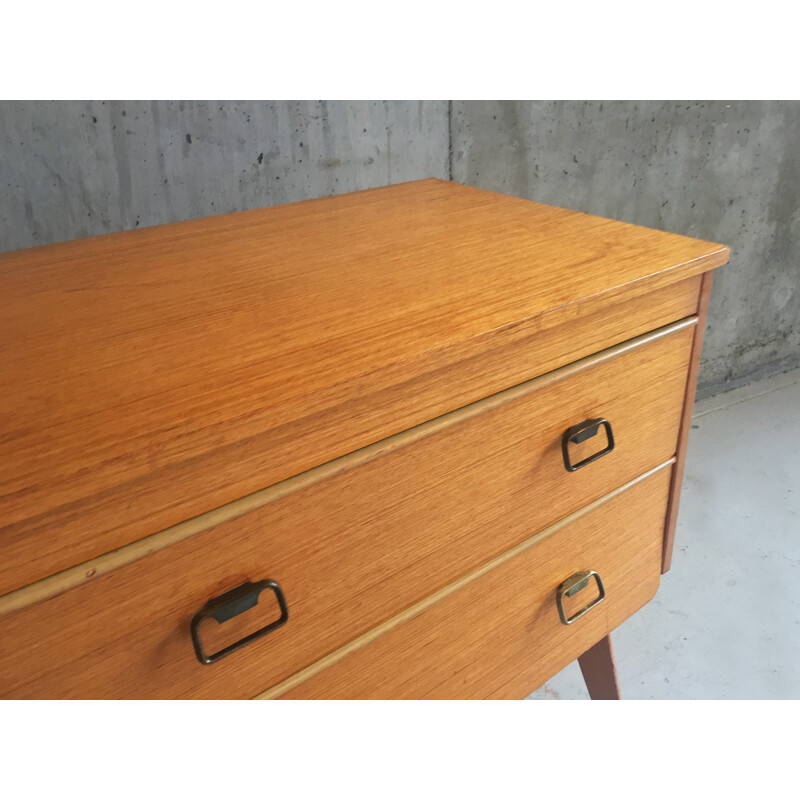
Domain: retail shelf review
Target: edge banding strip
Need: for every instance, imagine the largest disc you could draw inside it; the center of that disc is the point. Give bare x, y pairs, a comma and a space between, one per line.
101, 565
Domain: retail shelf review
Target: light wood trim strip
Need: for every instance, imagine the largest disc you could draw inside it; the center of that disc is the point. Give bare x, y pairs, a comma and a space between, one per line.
102, 565
423, 605
686, 423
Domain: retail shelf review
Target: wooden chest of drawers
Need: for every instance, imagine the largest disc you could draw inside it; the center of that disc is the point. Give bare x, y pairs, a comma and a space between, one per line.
331, 447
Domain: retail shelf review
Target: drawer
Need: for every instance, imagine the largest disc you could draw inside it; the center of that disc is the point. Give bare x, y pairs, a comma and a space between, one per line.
352, 543
501, 637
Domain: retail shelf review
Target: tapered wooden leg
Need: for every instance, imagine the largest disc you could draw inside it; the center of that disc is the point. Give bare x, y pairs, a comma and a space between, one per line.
600, 671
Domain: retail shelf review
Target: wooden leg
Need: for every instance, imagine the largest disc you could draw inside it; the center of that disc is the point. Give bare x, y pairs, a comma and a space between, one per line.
600, 671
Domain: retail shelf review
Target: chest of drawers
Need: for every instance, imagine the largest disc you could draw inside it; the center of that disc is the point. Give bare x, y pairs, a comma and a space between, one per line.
414, 442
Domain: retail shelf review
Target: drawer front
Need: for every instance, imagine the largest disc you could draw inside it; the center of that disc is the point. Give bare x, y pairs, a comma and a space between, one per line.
355, 548
501, 636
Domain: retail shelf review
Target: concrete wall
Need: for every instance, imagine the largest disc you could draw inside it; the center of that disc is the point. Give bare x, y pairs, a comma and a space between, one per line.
74, 169
725, 171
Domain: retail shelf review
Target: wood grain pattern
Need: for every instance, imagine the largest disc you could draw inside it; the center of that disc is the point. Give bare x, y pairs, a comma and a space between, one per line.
686, 423
352, 550
183, 489
153, 375
500, 637
354, 645
108, 562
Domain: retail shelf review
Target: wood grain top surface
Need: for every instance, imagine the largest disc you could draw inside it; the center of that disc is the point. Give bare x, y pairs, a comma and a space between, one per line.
126, 354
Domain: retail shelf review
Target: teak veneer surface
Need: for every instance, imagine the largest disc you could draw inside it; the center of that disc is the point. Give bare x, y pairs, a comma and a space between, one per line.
500, 637
356, 548
152, 375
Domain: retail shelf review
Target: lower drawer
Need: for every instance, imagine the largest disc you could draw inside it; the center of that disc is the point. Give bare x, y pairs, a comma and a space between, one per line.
501, 636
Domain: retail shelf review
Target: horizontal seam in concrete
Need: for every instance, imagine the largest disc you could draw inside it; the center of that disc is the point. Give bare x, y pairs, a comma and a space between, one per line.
755, 390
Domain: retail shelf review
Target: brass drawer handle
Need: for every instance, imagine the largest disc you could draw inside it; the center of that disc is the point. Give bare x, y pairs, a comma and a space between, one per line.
571, 586
231, 604
580, 433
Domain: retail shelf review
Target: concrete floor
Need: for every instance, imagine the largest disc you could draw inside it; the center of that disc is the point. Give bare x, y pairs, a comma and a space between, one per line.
725, 623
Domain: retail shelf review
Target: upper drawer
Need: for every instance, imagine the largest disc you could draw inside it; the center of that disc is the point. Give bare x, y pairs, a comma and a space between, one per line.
354, 542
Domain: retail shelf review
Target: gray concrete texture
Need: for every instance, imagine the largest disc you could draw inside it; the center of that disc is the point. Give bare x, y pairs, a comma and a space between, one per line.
725, 171
75, 169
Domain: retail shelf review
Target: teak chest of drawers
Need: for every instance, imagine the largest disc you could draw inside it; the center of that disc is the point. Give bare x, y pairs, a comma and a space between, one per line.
423, 441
